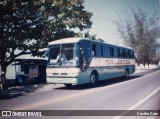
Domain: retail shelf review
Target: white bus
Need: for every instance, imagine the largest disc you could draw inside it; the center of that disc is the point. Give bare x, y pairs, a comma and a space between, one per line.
81, 60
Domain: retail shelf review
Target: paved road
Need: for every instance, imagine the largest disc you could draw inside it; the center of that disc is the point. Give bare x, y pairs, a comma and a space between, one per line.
140, 92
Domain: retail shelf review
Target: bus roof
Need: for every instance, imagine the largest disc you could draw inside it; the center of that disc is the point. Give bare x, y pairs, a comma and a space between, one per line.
74, 40
65, 41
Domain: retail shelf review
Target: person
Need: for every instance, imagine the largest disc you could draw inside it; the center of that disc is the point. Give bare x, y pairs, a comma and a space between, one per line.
61, 56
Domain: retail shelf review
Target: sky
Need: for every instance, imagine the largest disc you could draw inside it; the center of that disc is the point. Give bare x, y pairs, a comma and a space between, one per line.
105, 12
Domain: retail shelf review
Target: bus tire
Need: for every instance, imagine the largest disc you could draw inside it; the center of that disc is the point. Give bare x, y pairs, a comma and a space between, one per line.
127, 73
93, 79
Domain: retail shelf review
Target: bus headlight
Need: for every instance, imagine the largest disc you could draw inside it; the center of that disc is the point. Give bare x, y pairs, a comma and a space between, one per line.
74, 74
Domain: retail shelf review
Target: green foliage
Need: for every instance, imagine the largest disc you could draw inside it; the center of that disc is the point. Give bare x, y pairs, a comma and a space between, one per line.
28, 25
89, 36
66, 14
140, 32
156, 59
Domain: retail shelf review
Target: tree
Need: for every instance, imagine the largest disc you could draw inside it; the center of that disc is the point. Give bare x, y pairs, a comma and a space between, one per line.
89, 36
69, 14
140, 32
28, 25
156, 59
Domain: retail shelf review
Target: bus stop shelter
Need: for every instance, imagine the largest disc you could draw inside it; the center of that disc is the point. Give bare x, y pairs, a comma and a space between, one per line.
27, 72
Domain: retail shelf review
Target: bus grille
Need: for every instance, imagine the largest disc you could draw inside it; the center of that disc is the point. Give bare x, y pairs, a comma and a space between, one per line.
56, 74
64, 74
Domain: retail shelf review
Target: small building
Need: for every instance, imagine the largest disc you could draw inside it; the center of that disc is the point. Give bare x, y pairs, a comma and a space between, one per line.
27, 72
31, 71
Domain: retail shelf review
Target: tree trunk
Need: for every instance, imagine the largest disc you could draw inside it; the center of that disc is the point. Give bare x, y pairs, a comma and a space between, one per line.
144, 66
148, 65
3, 76
3, 69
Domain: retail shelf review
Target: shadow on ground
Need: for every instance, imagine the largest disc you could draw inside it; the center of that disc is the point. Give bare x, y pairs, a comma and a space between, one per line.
14, 92
109, 81
100, 83
17, 91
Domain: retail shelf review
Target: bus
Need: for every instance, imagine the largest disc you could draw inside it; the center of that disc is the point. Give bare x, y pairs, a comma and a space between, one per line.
80, 61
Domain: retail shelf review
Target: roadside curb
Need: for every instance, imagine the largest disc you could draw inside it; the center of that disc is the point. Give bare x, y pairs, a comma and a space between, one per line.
145, 70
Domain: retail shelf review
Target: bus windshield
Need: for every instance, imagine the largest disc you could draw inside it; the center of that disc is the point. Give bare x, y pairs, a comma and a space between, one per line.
63, 55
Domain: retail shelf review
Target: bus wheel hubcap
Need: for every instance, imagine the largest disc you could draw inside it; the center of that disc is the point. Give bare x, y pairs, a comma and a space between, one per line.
93, 79
127, 74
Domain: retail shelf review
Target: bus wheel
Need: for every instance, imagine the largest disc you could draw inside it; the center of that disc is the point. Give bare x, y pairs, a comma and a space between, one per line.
126, 74
68, 85
93, 79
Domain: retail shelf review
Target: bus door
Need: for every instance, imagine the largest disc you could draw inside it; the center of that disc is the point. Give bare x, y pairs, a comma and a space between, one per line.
85, 54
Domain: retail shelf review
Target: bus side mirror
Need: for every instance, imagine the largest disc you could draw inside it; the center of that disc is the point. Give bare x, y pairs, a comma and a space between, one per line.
62, 59
82, 51
83, 63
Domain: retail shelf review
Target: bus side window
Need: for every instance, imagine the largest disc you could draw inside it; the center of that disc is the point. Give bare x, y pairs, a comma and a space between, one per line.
102, 53
118, 52
98, 50
132, 54
106, 51
129, 54
94, 53
121, 52
86, 46
124, 55
111, 50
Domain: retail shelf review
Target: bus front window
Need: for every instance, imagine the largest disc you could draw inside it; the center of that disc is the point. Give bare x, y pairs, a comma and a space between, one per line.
62, 55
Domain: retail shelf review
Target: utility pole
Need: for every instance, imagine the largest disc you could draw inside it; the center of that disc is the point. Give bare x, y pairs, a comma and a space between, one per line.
83, 33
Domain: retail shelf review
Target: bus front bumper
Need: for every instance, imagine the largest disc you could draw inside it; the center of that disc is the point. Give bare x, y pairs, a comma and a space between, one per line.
62, 80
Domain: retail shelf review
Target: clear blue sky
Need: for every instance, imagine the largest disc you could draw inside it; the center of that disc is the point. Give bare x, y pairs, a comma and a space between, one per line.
106, 11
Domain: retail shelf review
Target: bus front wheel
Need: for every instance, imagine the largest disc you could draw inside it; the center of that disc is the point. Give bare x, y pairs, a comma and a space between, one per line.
126, 74
93, 79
